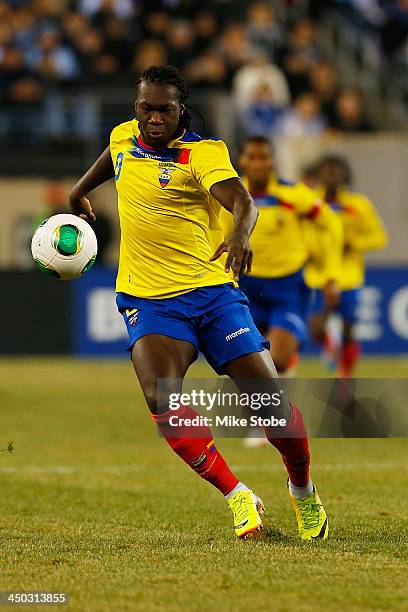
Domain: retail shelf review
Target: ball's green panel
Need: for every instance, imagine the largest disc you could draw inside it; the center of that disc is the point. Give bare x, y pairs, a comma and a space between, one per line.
67, 239
48, 271
89, 264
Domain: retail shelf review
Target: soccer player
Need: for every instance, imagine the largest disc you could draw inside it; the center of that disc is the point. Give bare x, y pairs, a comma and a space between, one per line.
363, 231
275, 286
176, 284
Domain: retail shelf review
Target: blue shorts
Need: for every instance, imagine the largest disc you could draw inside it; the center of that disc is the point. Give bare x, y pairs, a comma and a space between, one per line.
347, 307
215, 320
278, 302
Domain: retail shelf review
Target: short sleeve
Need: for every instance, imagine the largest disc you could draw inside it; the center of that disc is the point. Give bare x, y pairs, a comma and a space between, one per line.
210, 163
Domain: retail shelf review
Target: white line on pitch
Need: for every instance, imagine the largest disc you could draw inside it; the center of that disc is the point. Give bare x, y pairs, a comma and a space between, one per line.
117, 469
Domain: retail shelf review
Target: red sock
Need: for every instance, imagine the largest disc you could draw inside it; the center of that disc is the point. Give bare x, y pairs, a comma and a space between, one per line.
350, 352
294, 448
200, 453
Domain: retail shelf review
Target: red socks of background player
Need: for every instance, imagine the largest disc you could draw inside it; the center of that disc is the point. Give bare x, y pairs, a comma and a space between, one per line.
350, 352
200, 453
294, 448
203, 457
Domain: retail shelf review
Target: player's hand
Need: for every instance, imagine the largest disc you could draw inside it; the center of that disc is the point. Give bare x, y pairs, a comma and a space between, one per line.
331, 294
81, 206
239, 257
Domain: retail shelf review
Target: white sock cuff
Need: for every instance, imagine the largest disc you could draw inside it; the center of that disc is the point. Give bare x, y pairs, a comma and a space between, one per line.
300, 492
239, 487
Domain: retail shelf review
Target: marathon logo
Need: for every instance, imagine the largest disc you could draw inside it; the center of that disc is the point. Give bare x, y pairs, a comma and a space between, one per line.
242, 330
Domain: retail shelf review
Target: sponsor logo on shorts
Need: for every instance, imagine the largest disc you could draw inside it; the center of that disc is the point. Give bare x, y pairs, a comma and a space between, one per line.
238, 332
132, 316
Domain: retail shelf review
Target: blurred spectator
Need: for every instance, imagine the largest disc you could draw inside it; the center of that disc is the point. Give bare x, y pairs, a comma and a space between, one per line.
304, 119
300, 56
121, 8
207, 71
157, 25
323, 79
235, 48
53, 60
119, 43
394, 33
180, 42
260, 70
349, 114
22, 99
262, 115
263, 30
149, 53
206, 29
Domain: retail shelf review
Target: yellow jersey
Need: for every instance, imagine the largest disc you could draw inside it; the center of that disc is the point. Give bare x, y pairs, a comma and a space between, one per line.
362, 231
277, 241
169, 221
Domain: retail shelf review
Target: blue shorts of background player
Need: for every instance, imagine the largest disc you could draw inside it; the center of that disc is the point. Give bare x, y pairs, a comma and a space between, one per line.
215, 320
278, 302
347, 306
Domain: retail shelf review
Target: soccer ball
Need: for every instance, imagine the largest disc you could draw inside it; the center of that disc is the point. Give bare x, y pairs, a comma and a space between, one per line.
64, 246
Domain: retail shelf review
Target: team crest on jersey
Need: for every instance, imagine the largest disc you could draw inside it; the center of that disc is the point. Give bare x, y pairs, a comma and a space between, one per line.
165, 172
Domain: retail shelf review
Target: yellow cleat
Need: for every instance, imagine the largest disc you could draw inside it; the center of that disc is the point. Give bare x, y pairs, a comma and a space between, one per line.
311, 517
247, 509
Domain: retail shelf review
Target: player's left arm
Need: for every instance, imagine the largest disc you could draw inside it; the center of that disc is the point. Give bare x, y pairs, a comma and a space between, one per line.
100, 172
233, 196
370, 233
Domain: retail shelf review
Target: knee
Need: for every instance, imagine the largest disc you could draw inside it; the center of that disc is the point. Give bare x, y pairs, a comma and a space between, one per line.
157, 395
282, 362
348, 335
151, 396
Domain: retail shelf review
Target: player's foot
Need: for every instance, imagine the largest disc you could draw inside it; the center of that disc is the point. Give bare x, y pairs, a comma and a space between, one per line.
311, 516
256, 438
247, 509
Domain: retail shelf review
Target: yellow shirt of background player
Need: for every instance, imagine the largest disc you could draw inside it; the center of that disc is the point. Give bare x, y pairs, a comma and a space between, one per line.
277, 240
169, 221
362, 231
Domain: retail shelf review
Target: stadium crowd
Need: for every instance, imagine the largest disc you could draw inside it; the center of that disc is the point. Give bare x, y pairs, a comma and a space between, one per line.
55, 55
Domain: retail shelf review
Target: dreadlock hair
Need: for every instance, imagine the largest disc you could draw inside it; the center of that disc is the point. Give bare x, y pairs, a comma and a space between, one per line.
339, 161
169, 75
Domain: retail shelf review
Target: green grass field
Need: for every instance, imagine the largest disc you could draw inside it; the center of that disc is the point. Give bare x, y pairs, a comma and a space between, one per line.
94, 503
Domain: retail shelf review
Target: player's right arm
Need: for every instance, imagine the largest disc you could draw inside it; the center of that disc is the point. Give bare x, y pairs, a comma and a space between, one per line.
100, 172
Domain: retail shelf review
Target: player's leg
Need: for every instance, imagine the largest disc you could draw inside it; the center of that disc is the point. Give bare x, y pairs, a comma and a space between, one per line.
319, 329
155, 357
291, 442
160, 358
284, 349
243, 356
287, 327
350, 349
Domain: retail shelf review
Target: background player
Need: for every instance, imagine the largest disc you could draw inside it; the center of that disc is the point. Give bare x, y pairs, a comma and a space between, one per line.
275, 287
363, 231
175, 287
